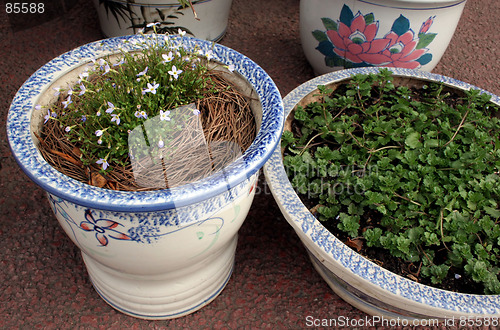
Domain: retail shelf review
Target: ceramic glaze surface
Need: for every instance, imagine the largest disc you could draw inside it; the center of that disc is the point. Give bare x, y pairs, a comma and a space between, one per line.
122, 17
377, 290
358, 33
157, 254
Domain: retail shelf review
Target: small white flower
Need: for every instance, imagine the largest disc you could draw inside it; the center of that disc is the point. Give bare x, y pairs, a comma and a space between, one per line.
67, 129
151, 88
115, 118
83, 89
181, 32
38, 107
47, 116
142, 73
164, 115
122, 60
209, 55
103, 65
161, 144
196, 112
174, 72
167, 57
58, 91
98, 132
152, 24
111, 107
231, 67
83, 75
141, 114
67, 102
103, 162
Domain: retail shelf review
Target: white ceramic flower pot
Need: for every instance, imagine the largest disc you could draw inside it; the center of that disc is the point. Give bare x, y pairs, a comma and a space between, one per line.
412, 34
158, 254
124, 17
354, 278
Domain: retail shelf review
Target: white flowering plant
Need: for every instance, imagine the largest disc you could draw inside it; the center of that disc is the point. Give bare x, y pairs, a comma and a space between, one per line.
114, 96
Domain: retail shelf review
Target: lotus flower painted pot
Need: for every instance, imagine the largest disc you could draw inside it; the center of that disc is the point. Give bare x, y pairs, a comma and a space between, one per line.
151, 254
357, 280
409, 34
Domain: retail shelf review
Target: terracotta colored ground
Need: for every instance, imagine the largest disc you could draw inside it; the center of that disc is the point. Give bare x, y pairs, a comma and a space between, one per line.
43, 282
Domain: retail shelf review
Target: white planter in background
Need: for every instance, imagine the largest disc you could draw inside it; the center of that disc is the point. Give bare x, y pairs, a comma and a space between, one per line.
412, 34
124, 17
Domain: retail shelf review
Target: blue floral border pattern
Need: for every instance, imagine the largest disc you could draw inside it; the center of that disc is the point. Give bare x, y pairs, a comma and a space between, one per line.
148, 227
310, 229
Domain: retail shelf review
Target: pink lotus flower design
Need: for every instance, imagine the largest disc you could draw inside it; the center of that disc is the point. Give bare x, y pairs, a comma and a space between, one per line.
357, 42
351, 42
402, 51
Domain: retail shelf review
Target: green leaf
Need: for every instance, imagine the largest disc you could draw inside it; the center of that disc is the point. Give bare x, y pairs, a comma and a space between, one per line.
288, 137
413, 140
319, 35
327, 154
492, 211
329, 23
349, 224
369, 18
372, 236
425, 39
401, 25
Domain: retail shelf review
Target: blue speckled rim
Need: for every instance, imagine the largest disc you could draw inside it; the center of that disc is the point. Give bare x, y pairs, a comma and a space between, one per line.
31, 162
316, 234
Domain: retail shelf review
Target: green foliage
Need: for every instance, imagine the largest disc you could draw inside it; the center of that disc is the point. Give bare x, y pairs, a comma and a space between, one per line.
424, 164
117, 95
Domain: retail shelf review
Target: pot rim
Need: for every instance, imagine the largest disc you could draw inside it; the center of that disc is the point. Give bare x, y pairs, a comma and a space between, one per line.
329, 247
37, 169
434, 4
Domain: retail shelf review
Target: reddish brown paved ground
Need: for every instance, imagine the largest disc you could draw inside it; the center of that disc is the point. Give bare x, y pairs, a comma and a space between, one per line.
43, 282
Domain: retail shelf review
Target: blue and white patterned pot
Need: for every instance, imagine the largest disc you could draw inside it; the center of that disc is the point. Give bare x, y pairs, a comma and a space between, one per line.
156, 254
357, 280
411, 34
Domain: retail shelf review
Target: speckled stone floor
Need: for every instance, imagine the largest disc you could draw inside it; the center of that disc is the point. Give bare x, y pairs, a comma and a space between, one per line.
43, 282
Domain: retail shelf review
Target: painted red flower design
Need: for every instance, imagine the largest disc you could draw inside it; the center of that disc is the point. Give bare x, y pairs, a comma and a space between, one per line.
351, 41
357, 42
402, 52
103, 228
426, 25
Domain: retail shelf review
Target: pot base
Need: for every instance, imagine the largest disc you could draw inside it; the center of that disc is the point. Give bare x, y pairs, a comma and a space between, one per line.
164, 296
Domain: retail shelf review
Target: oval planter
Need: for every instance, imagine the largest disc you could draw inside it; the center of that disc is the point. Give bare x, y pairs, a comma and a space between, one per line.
124, 17
411, 34
157, 254
354, 278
